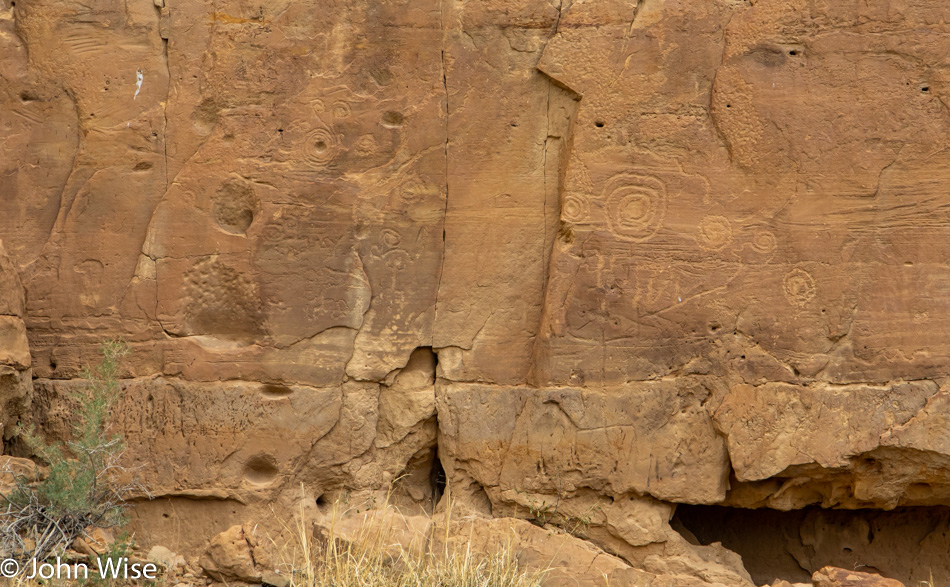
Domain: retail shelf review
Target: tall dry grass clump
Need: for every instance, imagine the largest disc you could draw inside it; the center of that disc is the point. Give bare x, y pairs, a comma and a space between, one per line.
375, 557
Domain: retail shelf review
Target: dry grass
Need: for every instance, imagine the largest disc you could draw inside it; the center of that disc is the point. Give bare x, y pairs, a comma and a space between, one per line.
375, 557
380, 551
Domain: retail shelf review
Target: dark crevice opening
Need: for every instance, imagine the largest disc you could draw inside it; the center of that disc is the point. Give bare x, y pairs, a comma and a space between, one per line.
906, 544
437, 479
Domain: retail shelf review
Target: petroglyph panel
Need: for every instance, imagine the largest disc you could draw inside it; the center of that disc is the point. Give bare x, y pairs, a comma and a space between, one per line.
575, 205
567, 440
233, 424
754, 195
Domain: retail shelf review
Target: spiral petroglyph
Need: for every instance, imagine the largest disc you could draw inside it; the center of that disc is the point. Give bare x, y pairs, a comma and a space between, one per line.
799, 287
715, 232
636, 206
575, 208
320, 147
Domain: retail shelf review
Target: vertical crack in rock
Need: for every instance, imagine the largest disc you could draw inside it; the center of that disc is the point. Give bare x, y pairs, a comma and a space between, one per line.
163, 35
19, 34
72, 168
445, 210
550, 240
714, 121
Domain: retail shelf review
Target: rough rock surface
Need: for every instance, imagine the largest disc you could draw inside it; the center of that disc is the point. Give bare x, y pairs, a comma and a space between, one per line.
16, 385
832, 577
589, 252
230, 557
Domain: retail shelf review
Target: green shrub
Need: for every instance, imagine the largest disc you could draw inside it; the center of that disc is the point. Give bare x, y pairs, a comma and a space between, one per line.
79, 489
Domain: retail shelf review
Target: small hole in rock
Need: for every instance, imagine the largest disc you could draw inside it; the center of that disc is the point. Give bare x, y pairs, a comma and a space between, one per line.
275, 390
793, 52
728, 105
599, 124
260, 469
925, 89
280, 130
320, 146
321, 501
142, 166
392, 119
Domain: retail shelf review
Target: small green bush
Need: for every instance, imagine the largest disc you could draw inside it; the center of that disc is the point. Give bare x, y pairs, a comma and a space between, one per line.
42, 518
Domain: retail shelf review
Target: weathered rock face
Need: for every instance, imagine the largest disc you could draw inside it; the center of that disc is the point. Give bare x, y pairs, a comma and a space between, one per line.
16, 385
593, 252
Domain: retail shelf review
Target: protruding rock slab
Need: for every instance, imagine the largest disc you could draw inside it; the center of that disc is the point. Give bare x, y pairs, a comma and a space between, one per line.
835, 577
651, 438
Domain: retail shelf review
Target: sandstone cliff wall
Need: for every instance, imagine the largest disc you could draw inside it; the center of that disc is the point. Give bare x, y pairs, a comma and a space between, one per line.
620, 254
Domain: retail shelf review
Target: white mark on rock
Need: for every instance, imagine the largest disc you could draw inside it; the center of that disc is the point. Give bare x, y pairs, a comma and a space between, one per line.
681, 299
138, 83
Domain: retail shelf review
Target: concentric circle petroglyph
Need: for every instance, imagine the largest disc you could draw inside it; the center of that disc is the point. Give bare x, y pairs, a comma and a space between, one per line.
320, 147
340, 110
575, 208
636, 205
799, 287
764, 242
715, 232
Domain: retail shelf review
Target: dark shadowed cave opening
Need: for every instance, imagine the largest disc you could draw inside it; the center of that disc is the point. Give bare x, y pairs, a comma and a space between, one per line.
908, 544
437, 479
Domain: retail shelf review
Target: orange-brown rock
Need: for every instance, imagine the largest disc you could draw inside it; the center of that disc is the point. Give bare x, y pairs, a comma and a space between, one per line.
229, 556
16, 389
835, 577
609, 254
